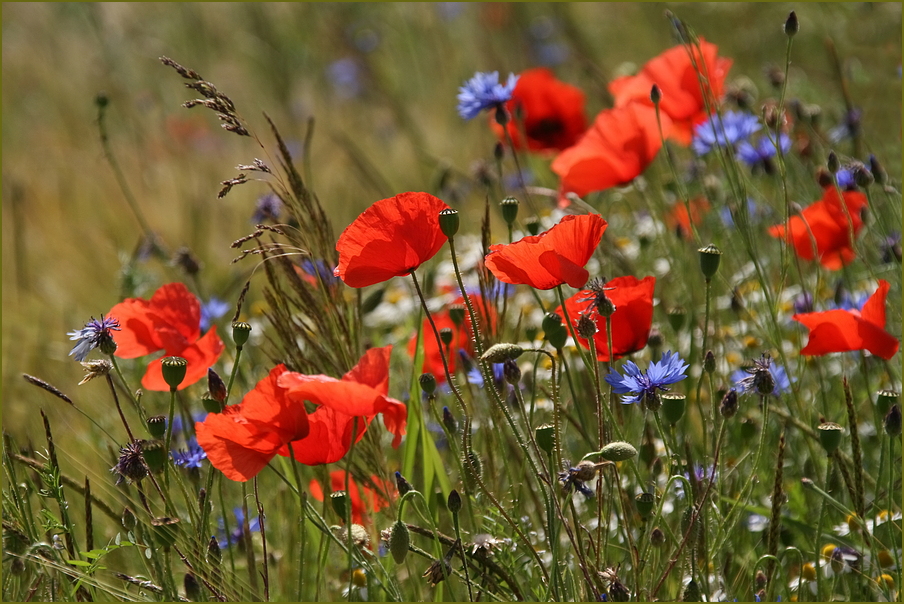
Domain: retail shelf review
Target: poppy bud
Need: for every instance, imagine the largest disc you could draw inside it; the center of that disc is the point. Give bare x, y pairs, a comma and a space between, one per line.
655, 340
449, 421
673, 404
709, 362
729, 404
457, 314
174, 369
154, 455
449, 222
216, 387
428, 383
192, 588
128, 519
214, 555
454, 502
339, 501
240, 332
157, 426
509, 207
791, 25
498, 152
862, 177
545, 436
101, 100
511, 372
402, 485
554, 330
832, 163
677, 316
710, 257
885, 399
657, 537
165, 530
879, 174
618, 451
691, 592
823, 177
655, 94
498, 353
892, 421
502, 116
760, 580
645, 503
399, 540
533, 225
211, 406
830, 436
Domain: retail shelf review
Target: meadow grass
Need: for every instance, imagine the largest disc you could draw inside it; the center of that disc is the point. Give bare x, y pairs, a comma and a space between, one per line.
350, 103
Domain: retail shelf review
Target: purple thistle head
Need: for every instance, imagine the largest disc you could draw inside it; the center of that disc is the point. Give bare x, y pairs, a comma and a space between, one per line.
95, 334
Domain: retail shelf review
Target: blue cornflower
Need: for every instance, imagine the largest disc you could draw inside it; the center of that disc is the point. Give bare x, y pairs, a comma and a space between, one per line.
268, 207
764, 150
849, 126
320, 269
762, 377
639, 386
236, 534
177, 421
845, 178
731, 128
484, 91
95, 334
345, 75
754, 213
192, 457
212, 310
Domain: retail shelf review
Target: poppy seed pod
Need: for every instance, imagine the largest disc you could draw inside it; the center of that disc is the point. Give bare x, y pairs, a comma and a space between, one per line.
449, 222
446, 335
339, 501
499, 353
399, 540
710, 257
645, 503
174, 369
533, 225
457, 314
240, 332
673, 405
509, 207
618, 451
677, 317
885, 399
545, 436
165, 530
830, 436
428, 383
211, 406
157, 426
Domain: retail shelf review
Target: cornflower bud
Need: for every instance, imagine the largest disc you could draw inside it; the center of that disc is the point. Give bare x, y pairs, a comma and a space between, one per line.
657, 537
792, 26
655, 339
192, 588
511, 372
454, 502
879, 173
586, 327
449, 421
428, 383
402, 485
709, 362
128, 519
216, 387
655, 94
729, 404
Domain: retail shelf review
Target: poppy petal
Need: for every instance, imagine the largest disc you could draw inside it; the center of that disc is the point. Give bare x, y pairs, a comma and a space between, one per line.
329, 437
137, 336
200, 356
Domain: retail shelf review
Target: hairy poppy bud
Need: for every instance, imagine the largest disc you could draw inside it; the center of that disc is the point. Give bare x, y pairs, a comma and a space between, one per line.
511, 372
240, 333
399, 540
729, 405
709, 362
498, 353
174, 369
879, 173
509, 207
449, 222
832, 162
554, 330
710, 257
618, 451
830, 436
657, 537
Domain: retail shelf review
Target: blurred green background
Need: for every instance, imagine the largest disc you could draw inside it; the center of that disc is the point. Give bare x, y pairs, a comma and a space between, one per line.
379, 79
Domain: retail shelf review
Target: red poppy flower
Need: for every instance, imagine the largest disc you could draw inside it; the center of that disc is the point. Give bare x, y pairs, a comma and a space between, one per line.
679, 220
674, 73
631, 321
364, 500
846, 330
553, 112
616, 149
243, 439
552, 258
461, 337
826, 223
390, 239
169, 321
341, 405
